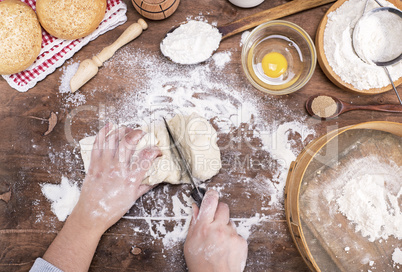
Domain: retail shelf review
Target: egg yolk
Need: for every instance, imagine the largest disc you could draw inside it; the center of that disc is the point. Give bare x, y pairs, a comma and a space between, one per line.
274, 64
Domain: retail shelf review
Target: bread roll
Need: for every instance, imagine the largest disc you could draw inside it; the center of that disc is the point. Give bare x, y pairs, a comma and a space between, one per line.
20, 36
70, 19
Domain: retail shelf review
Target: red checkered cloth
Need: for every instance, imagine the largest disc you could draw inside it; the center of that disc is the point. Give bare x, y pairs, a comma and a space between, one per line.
56, 51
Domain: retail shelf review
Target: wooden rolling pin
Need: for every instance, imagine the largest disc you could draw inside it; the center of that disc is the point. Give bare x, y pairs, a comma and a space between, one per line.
89, 67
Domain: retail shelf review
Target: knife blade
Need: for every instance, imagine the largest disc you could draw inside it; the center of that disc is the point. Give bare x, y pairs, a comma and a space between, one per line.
197, 193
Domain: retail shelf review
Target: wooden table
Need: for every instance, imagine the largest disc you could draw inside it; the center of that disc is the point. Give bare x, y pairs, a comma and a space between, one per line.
27, 225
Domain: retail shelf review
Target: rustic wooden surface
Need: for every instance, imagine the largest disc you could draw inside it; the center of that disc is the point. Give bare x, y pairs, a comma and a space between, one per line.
25, 161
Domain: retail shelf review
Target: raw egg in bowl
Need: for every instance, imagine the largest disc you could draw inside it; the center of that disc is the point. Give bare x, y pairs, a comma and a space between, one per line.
278, 57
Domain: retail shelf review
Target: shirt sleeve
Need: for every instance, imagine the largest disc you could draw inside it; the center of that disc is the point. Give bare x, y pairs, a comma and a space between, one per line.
41, 265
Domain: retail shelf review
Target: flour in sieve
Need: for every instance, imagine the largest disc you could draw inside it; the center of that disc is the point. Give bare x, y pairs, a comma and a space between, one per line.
339, 51
377, 37
369, 198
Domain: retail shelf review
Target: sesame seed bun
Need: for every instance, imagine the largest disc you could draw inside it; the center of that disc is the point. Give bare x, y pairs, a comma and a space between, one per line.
20, 36
70, 19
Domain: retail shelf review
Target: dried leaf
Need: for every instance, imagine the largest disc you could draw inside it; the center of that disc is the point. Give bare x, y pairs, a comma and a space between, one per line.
52, 123
6, 196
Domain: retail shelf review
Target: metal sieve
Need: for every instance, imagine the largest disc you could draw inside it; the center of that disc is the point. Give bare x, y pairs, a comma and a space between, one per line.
382, 63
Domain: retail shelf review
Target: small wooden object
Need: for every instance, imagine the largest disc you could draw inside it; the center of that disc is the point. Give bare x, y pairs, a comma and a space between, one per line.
156, 9
89, 67
322, 59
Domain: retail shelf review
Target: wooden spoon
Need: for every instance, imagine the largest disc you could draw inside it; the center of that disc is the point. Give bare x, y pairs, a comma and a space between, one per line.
254, 20
343, 106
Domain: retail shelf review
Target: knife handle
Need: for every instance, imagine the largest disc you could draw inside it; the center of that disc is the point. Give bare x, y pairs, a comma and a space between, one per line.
198, 196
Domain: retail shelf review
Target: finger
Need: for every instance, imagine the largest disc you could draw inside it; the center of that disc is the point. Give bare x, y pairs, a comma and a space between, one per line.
196, 210
194, 219
100, 140
143, 163
208, 206
112, 141
222, 214
130, 142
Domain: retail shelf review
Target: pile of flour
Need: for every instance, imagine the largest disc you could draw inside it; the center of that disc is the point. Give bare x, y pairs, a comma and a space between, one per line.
370, 195
192, 42
339, 50
63, 197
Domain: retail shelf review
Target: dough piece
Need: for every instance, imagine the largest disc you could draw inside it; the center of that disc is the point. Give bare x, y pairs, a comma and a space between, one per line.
198, 141
70, 19
20, 36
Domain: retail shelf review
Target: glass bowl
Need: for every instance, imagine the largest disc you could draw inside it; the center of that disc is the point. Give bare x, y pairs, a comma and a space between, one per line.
282, 73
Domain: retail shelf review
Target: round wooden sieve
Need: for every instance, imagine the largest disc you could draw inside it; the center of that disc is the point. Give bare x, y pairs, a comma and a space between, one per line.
329, 242
323, 62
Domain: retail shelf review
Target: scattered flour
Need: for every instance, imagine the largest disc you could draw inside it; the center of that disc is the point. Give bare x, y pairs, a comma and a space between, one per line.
191, 43
276, 142
397, 256
68, 72
63, 197
77, 98
244, 37
221, 59
339, 51
249, 136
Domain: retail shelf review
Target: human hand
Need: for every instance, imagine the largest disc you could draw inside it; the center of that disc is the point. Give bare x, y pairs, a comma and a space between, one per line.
110, 188
113, 184
212, 242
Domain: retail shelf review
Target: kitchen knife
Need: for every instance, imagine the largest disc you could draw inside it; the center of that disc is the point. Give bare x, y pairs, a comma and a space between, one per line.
197, 193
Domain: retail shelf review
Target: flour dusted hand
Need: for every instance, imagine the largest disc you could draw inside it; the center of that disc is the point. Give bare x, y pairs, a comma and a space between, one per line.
113, 183
111, 187
212, 242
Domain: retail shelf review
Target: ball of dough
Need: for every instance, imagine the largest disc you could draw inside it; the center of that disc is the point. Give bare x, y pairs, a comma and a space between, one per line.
70, 19
20, 36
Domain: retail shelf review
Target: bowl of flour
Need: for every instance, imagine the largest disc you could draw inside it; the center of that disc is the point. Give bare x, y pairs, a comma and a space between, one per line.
337, 57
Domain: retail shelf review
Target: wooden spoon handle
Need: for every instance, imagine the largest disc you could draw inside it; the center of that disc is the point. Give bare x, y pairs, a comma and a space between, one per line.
280, 11
385, 108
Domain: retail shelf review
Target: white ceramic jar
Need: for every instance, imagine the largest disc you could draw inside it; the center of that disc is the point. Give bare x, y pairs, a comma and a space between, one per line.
246, 3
